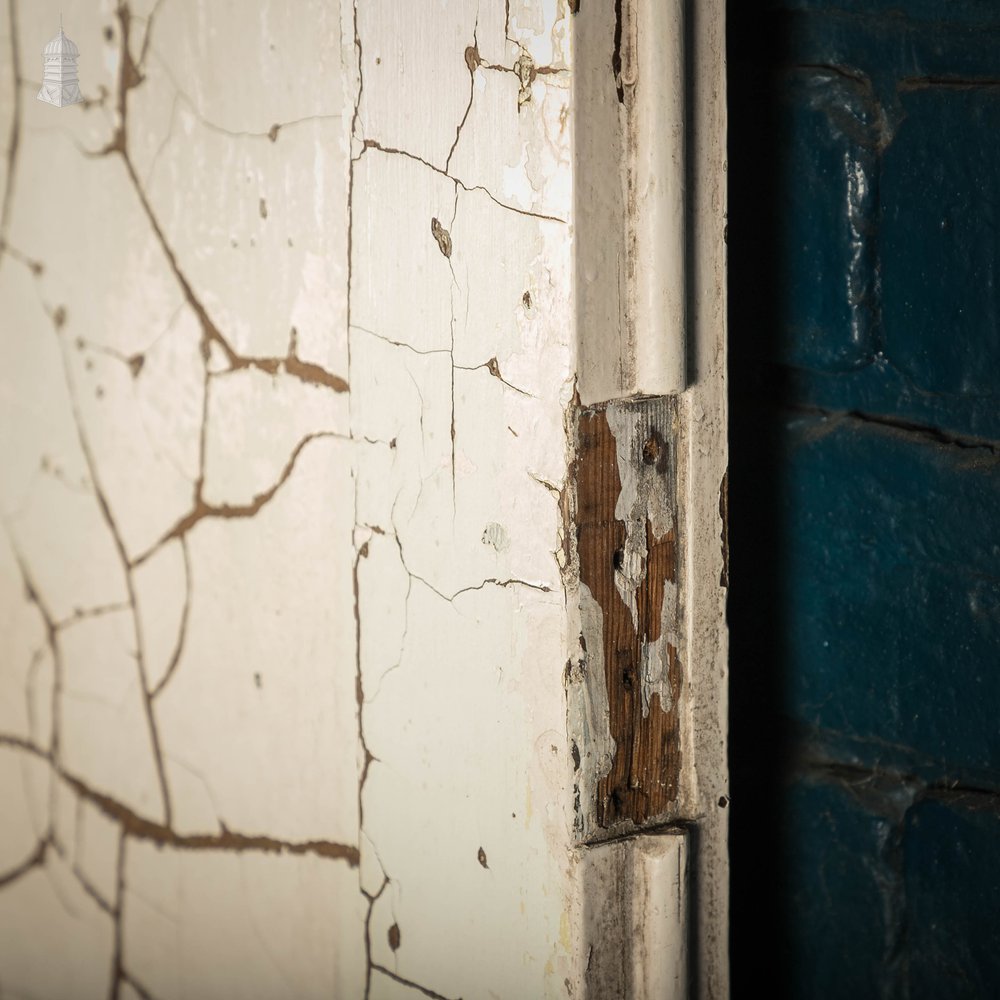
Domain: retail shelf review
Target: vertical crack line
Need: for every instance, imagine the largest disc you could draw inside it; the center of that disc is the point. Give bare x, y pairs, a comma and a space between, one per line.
361, 75
616, 55
454, 289
14, 141
210, 333
29, 694
34, 596
350, 183
359, 684
206, 383
472, 61
182, 629
128, 78
117, 960
171, 124
127, 570
88, 886
370, 965
360, 551
151, 17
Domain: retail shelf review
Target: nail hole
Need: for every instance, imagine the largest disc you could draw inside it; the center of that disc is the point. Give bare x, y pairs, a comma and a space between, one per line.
651, 450
618, 559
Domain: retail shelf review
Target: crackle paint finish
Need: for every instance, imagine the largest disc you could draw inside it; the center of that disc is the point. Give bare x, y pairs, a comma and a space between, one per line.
286, 351
288, 364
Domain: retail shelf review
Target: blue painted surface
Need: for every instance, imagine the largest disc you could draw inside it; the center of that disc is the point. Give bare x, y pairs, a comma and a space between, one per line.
832, 133
978, 13
893, 598
838, 863
952, 873
865, 496
939, 243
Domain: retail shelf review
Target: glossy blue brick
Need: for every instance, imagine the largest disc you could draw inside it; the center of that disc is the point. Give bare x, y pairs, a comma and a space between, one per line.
897, 86
839, 893
952, 879
939, 244
891, 48
890, 549
978, 13
880, 389
829, 137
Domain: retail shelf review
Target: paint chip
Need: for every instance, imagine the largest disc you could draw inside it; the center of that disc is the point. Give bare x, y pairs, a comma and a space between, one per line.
495, 535
482, 858
442, 236
524, 69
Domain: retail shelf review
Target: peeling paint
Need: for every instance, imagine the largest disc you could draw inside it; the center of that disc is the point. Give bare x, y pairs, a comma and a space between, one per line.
594, 747
442, 237
287, 482
627, 551
495, 535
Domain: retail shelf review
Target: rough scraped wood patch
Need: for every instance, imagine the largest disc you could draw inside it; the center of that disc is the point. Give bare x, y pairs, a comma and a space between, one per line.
625, 691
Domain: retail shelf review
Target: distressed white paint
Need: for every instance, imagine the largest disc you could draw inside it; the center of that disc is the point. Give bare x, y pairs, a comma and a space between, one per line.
703, 420
645, 498
46, 908
653, 669
637, 923
608, 366
656, 30
631, 199
282, 705
587, 704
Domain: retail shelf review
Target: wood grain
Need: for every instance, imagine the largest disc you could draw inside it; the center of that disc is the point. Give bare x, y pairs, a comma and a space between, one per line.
644, 776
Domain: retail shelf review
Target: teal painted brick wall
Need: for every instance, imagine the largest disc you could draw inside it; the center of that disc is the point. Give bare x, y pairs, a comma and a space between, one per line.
865, 496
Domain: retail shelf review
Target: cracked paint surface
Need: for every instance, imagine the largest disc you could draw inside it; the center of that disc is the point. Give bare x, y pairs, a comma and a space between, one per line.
286, 349
625, 682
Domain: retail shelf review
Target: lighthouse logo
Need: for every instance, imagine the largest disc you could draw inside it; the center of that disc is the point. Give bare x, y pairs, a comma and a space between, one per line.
60, 85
